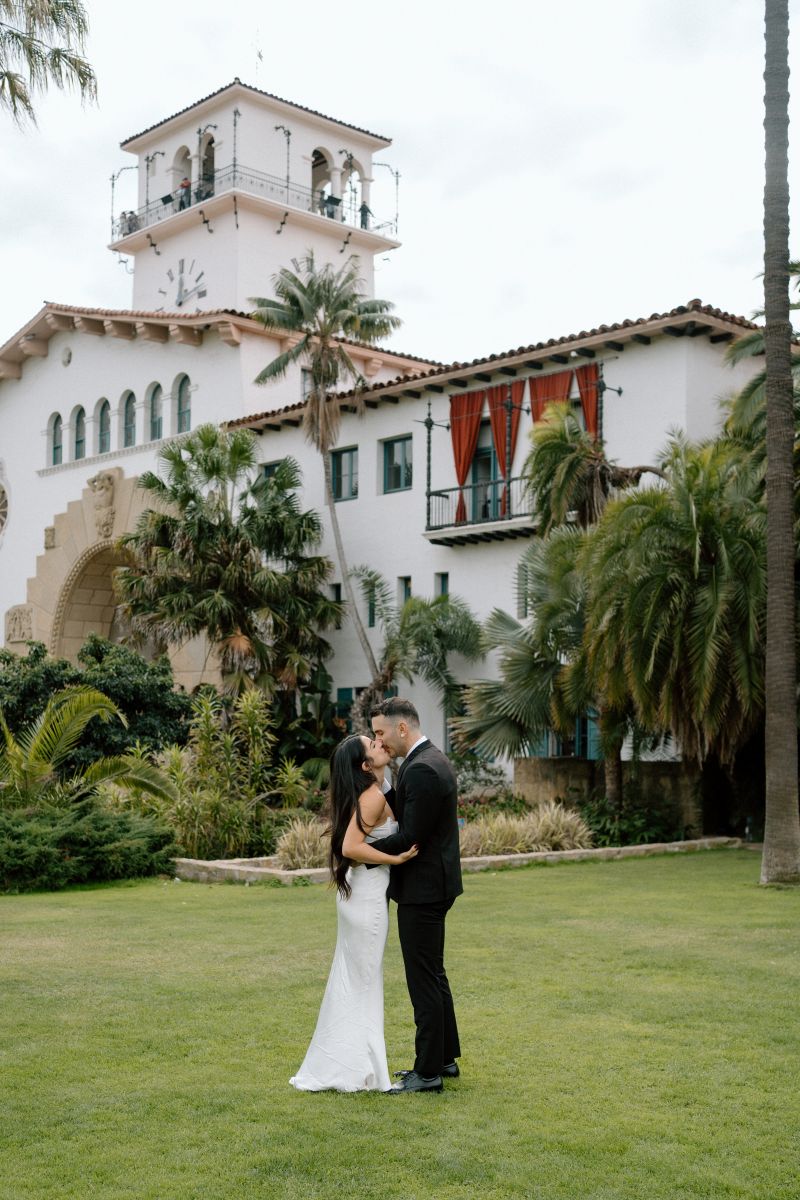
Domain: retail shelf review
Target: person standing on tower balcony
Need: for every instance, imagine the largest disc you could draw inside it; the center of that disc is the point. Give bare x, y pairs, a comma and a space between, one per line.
365, 212
184, 193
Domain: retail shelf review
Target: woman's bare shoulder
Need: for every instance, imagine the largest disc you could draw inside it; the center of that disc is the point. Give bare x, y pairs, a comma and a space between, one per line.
372, 803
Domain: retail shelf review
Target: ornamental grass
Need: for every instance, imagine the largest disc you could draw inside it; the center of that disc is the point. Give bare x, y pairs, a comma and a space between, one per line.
550, 826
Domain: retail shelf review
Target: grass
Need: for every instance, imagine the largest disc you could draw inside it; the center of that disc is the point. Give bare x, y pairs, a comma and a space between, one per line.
629, 1030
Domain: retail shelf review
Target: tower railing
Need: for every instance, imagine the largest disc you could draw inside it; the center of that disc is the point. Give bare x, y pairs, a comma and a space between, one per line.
484, 502
258, 183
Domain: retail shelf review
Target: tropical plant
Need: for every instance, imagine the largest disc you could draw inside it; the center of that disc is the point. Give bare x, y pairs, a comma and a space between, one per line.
229, 793
781, 857
30, 760
303, 843
226, 553
675, 600
567, 470
549, 826
41, 43
156, 715
418, 638
321, 307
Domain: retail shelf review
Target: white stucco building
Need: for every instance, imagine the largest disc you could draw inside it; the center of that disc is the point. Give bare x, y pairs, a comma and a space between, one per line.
87, 395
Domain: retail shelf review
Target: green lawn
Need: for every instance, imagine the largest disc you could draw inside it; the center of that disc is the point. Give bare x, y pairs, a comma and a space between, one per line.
630, 1029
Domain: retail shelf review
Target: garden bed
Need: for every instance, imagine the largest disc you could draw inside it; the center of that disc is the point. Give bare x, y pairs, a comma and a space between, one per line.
266, 870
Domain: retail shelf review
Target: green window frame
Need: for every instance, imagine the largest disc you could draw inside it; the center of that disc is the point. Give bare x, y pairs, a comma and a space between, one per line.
156, 413
184, 405
129, 421
344, 473
397, 464
80, 434
104, 428
57, 454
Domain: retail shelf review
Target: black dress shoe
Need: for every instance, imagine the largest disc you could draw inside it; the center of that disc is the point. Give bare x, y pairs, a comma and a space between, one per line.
450, 1071
411, 1081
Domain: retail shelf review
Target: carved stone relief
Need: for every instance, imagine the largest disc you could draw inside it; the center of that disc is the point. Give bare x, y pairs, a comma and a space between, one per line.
19, 624
102, 485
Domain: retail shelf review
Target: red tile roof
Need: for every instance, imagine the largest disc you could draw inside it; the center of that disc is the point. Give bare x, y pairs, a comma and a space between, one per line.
238, 83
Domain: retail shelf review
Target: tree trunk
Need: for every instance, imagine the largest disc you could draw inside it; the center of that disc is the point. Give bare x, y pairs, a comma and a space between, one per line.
612, 773
346, 580
781, 859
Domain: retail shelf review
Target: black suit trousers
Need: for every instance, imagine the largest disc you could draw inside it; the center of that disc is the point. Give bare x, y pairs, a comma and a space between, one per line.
421, 930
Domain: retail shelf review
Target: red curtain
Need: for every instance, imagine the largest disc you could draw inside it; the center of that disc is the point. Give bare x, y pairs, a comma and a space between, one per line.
588, 379
549, 389
465, 425
498, 416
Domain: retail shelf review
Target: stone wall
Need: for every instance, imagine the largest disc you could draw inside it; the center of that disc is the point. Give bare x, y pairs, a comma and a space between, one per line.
540, 779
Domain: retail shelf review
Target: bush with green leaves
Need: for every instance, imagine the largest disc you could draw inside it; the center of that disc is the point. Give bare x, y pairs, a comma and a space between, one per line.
156, 715
231, 798
640, 819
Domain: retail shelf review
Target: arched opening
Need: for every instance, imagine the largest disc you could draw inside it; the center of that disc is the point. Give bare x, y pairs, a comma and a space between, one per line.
56, 440
155, 409
322, 184
89, 603
205, 187
182, 177
79, 434
128, 419
356, 211
182, 391
103, 425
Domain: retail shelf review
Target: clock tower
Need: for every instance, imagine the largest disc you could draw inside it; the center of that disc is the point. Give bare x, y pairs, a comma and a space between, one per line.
237, 185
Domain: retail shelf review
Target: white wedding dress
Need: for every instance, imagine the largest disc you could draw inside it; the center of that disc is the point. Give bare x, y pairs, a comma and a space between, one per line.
348, 1052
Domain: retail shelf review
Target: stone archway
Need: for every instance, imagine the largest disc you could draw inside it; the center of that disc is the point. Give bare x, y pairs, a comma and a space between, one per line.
87, 603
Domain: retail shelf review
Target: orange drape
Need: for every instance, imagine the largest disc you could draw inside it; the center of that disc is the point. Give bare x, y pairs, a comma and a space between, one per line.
588, 378
549, 389
465, 425
498, 416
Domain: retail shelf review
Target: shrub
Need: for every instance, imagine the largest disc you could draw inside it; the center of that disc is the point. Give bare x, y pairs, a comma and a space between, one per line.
87, 844
303, 844
642, 819
548, 827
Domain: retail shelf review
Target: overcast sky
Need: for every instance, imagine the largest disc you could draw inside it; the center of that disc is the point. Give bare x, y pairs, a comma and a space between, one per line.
562, 164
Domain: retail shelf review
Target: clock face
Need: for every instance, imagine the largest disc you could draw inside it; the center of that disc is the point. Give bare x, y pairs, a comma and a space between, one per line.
183, 282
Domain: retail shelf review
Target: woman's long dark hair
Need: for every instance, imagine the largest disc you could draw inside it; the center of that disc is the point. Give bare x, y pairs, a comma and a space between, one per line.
348, 781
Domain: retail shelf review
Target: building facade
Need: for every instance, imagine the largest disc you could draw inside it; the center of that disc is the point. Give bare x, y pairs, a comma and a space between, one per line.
427, 481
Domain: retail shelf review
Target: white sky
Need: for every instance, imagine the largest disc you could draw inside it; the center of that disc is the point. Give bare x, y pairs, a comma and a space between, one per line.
565, 163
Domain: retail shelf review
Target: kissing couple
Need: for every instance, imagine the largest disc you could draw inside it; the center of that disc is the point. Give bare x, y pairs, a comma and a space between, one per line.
399, 844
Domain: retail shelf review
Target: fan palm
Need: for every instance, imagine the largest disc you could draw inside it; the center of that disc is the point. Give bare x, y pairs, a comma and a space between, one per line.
226, 553
323, 306
675, 607
418, 638
41, 42
30, 762
567, 470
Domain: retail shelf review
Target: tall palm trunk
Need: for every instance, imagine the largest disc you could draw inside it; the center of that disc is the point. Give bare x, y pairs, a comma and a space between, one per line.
343, 567
781, 859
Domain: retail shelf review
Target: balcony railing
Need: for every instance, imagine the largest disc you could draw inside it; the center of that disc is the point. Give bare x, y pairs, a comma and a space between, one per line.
245, 179
483, 504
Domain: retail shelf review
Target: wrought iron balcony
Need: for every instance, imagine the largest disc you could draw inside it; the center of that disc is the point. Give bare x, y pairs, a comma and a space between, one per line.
257, 183
485, 516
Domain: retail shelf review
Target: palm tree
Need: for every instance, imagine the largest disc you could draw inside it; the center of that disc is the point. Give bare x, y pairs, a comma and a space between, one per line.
567, 470
675, 601
31, 764
226, 553
418, 638
323, 306
781, 858
41, 42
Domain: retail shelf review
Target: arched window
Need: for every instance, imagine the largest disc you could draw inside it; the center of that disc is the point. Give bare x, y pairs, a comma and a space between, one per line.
184, 405
129, 420
205, 187
156, 412
57, 444
80, 434
104, 428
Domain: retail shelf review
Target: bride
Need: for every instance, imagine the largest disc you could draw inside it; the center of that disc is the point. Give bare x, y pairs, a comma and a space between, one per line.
347, 1052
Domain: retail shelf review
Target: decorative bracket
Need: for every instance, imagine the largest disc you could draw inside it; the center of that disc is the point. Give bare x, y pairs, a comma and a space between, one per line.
153, 245
283, 222
205, 220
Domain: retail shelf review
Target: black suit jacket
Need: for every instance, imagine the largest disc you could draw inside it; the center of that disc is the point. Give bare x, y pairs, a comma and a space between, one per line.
425, 803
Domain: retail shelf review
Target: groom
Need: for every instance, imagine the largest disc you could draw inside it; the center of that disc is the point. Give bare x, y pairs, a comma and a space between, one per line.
425, 804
